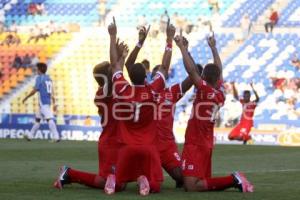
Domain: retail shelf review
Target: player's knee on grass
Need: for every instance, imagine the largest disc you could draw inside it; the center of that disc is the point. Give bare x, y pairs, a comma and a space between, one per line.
193, 184
37, 120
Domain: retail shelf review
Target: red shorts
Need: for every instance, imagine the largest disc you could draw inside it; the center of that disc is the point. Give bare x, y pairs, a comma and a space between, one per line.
107, 157
196, 161
241, 131
169, 156
137, 160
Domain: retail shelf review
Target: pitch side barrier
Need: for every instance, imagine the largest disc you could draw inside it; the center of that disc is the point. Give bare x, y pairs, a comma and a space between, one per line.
16, 125
92, 133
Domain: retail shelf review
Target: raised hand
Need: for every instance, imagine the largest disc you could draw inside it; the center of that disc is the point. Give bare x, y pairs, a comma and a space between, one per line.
143, 33
119, 49
211, 41
123, 49
171, 30
179, 41
123, 52
185, 43
112, 28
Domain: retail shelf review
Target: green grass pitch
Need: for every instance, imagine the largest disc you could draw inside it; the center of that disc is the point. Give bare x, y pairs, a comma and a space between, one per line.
28, 169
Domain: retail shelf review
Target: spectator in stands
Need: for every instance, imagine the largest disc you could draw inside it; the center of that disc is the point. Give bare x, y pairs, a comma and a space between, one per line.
273, 19
40, 8
245, 27
27, 60
146, 64
32, 9
295, 61
33, 33
52, 28
42, 34
11, 39
204, 25
278, 83
179, 21
188, 26
87, 121
17, 63
291, 108
102, 11
213, 6
164, 18
16, 39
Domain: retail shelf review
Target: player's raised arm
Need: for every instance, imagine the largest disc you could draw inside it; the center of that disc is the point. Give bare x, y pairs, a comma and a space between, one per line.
187, 82
189, 63
122, 50
166, 61
235, 92
217, 60
255, 93
112, 30
143, 33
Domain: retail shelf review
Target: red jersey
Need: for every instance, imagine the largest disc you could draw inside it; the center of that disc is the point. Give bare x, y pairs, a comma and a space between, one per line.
108, 122
137, 109
200, 128
166, 111
274, 17
248, 110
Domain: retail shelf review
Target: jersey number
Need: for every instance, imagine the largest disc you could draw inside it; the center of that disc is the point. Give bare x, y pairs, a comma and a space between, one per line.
49, 86
137, 111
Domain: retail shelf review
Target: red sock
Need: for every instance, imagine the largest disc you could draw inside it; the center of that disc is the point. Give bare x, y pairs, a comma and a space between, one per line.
88, 179
219, 183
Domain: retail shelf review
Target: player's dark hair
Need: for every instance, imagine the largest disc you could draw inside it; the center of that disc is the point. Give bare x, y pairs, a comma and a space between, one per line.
211, 73
146, 64
247, 92
137, 74
101, 70
154, 70
199, 68
42, 67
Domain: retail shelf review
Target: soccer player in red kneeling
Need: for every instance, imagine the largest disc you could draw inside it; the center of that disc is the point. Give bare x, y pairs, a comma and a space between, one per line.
138, 158
107, 145
199, 138
166, 144
241, 132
